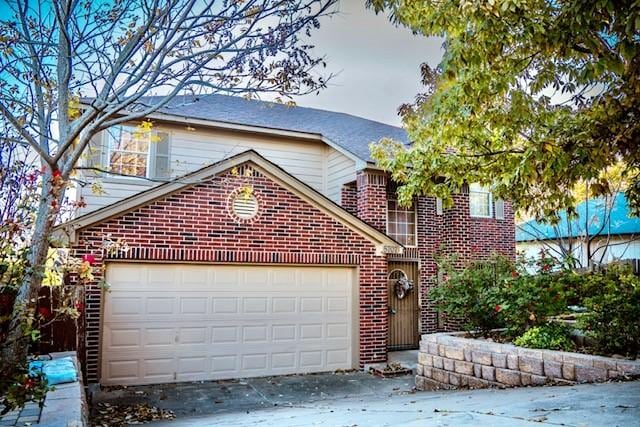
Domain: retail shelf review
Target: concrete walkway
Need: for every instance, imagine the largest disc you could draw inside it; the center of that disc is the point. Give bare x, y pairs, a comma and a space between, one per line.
610, 404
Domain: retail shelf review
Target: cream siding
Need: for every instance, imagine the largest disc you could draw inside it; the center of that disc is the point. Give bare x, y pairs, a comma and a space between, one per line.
340, 170
313, 162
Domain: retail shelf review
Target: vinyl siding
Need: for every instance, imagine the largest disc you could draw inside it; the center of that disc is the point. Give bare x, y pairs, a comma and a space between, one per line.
313, 162
340, 170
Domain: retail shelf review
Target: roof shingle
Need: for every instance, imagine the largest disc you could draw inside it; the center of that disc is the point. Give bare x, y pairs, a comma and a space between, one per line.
351, 133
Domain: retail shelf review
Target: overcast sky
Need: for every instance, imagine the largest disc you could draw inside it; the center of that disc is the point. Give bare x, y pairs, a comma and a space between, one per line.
377, 64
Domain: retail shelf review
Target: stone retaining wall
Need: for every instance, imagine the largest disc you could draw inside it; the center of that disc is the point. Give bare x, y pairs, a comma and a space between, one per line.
66, 404
449, 361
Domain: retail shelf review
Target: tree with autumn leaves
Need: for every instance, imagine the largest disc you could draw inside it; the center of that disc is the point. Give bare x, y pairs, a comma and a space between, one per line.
532, 98
73, 68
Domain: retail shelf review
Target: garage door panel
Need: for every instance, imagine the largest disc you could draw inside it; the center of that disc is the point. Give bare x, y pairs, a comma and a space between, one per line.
157, 337
209, 323
162, 277
125, 306
283, 333
160, 305
284, 305
225, 305
196, 305
128, 338
255, 305
127, 276
192, 336
124, 370
224, 334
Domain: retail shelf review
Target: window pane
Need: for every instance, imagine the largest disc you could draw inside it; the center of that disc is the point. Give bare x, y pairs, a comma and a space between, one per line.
127, 151
479, 201
401, 223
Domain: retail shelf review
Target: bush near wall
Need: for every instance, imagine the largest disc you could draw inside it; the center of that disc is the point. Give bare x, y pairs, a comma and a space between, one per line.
612, 298
498, 293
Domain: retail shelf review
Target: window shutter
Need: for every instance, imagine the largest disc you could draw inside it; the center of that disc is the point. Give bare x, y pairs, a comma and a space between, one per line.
438, 206
94, 153
499, 208
161, 164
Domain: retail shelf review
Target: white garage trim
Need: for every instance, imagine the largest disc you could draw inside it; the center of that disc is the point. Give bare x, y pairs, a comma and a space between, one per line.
185, 322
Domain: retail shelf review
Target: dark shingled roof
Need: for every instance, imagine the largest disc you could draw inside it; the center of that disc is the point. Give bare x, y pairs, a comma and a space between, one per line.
351, 133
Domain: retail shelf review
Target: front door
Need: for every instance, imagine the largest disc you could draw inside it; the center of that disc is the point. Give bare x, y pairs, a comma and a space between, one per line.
404, 313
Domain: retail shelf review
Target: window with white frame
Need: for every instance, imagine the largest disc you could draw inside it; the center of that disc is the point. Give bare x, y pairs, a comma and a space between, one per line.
480, 201
136, 153
401, 223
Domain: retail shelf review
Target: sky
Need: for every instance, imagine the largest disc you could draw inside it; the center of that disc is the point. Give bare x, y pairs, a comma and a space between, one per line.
376, 64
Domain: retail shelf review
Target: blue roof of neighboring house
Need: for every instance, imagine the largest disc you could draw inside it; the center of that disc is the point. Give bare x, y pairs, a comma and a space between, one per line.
619, 222
352, 133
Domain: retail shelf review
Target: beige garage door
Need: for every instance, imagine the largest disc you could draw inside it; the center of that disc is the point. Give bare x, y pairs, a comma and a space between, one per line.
173, 322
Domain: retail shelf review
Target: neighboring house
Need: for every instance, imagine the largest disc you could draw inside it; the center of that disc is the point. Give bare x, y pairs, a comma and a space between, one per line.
602, 230
276, 251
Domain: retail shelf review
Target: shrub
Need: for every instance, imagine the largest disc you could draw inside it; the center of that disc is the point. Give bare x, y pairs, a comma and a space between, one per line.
551, 336
497, 292
472, 294
612, 298
528, 300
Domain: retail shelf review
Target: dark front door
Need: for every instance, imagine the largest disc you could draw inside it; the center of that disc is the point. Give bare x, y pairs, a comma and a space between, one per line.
404, 313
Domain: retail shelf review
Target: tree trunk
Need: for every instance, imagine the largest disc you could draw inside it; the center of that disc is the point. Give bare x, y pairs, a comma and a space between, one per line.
16, 346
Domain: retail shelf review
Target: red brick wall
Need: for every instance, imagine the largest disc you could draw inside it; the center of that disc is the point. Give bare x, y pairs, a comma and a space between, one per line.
195, 225
349, 198
372, 198
454, 232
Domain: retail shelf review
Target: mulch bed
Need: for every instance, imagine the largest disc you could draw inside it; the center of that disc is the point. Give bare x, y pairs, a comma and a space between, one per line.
392, 369
107, 415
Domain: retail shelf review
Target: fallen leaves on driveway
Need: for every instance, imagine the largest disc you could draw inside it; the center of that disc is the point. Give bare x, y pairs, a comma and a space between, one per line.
107, 415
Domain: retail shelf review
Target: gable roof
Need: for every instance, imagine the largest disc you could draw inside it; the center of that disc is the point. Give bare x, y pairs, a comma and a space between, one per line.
383, 243
350, 133
620, 222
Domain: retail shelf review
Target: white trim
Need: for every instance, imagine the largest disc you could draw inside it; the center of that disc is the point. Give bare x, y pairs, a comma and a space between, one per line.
152, 155
485, 190
415, 222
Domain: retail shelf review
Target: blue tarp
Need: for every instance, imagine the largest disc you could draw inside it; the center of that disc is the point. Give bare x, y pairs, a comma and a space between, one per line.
56, 371
616, 221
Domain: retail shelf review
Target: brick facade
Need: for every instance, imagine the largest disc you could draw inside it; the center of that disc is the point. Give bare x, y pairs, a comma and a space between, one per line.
454, 231
349, 198
371, 195
194, 225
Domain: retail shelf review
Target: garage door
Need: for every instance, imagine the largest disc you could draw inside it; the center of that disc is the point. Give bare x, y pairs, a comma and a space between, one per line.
172, 322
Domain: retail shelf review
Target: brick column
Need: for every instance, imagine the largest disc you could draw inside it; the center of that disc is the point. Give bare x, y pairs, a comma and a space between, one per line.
430, 229
349, 198
373, 309
372, 198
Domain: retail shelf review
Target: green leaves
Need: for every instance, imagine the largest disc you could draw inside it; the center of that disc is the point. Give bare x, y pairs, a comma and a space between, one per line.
550, 336
531, 97
613, 300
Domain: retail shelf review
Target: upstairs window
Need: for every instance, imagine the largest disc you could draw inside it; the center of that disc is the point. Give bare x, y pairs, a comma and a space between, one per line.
131, 152
480, 201
401, 223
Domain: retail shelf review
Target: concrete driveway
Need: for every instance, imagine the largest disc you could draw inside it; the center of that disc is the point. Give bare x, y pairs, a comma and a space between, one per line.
357, 398
218, 397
